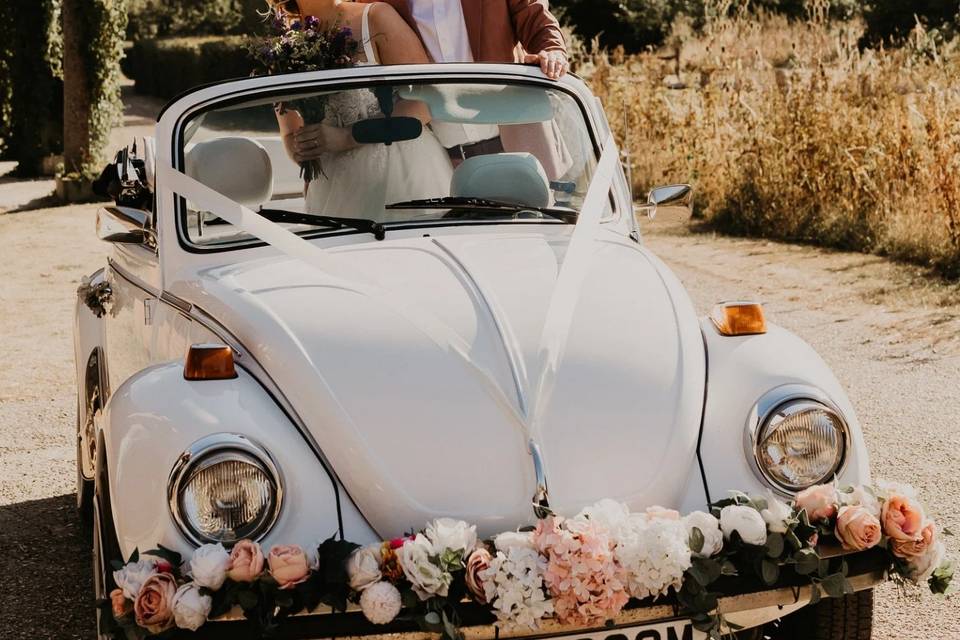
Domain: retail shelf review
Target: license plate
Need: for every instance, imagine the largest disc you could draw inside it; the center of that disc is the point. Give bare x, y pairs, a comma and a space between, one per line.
673, 630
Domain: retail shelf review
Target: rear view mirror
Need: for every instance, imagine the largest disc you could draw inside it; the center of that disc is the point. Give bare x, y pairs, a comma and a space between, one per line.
124, 225
387, 130
679, 196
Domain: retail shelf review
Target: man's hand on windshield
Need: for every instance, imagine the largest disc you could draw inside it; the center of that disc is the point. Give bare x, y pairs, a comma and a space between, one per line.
553, 63
313, 140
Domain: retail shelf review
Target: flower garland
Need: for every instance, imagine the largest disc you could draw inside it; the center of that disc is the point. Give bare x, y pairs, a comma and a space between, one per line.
581, 570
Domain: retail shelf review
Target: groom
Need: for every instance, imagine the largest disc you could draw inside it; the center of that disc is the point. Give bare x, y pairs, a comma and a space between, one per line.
490, 31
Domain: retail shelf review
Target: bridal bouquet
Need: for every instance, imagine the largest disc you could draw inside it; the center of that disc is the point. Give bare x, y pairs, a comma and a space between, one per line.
581, 570
299, 47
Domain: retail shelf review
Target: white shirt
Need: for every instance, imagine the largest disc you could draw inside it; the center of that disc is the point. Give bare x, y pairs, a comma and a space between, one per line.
444, 33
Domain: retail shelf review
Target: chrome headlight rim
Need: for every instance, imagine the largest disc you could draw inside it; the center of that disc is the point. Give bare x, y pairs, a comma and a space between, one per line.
202, 450
771, 402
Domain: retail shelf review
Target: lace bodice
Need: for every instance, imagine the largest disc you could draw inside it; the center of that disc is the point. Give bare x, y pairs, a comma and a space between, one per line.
345, 108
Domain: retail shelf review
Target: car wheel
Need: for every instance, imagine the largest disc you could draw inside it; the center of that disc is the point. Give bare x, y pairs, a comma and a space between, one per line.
85, 487
105, 549
846, 618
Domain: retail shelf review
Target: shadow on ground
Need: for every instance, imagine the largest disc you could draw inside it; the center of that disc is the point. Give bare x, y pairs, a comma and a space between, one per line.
47, 588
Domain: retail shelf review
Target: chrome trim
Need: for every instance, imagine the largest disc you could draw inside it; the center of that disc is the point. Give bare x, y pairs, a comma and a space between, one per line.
764, 409
205, 447
177, 303
126, 225
541, 498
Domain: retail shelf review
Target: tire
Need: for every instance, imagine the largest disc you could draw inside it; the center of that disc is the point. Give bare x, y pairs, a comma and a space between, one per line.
85, 487
846, 618
104, 548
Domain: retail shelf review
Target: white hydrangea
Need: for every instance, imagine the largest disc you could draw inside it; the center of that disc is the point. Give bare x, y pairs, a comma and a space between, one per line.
655, 554
513, 585
861, 497
777, 514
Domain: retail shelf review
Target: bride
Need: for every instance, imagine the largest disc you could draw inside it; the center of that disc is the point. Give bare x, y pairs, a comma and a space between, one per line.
406, 170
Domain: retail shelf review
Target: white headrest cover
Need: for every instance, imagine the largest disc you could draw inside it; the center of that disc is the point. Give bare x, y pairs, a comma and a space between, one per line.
512, 177
238, 168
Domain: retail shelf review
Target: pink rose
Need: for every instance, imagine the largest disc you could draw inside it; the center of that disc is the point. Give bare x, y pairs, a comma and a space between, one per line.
913, 549
288, 565
819, 501
154, 604
119, 603
902, 520
246, 562
857, 529
479, 560
659, 513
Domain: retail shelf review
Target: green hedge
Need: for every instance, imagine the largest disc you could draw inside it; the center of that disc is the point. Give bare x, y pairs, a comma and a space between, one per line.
185, 18
31, 82
169, 66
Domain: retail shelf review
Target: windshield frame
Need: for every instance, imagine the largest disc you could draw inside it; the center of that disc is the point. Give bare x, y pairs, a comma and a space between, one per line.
399, 75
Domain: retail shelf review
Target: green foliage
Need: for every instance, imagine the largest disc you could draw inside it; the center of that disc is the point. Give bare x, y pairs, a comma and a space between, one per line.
181, 18
890, 21
167, 67
104, 27
31, 82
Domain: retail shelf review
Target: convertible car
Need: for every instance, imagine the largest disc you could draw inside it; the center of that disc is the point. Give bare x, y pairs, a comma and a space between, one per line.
400, 339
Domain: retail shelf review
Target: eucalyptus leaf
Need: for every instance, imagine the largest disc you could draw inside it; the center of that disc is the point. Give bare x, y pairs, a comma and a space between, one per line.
432, 619
774, 545
833, 585
807, 561
697, 540
814, 593
769, 571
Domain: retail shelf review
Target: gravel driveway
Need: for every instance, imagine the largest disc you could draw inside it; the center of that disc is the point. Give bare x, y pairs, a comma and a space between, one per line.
892, 337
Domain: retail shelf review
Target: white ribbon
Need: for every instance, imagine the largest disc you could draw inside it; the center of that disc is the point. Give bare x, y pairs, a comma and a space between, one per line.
576, 264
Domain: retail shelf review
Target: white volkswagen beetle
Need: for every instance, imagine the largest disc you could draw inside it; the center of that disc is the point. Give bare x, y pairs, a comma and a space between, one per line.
261, 360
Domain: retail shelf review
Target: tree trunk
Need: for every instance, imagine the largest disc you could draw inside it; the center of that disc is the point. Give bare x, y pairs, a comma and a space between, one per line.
76, 89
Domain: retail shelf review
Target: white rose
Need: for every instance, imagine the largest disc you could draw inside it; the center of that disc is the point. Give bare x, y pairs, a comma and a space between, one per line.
710, 528
380, 603
746, 521
447, 533
514, 540
209, 565
860, 497
132, 576
923, 567
776, 514
363, 567
426, 578
190, 607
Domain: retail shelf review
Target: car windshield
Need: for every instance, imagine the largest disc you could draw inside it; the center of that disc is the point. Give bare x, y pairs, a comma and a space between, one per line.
373, 158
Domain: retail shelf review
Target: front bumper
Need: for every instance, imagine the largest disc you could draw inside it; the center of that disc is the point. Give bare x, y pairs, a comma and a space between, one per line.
743, 603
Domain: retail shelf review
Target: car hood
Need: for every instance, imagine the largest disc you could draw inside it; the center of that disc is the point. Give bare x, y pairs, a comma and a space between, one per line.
419, 395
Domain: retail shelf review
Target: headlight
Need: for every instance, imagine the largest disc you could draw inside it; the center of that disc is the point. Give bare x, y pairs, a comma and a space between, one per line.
799, 439
224, 488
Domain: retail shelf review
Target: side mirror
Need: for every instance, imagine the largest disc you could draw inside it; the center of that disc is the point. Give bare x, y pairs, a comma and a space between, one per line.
125, 225
671, 196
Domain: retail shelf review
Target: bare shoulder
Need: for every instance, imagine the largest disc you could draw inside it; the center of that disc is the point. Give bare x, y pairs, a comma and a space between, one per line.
384, 14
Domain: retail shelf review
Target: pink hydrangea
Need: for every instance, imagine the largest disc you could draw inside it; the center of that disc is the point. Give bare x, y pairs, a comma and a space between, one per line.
587, 585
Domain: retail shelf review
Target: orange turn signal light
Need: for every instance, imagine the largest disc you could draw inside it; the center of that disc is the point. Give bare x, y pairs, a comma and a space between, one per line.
739, 318
209, 362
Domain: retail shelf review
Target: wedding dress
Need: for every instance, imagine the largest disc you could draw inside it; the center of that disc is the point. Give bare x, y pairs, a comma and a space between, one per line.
359, 182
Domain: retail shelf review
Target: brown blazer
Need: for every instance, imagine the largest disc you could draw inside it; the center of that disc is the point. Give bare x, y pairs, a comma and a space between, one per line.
501, 30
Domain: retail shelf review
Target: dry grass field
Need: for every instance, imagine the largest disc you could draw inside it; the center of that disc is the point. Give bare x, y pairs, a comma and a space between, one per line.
790, 131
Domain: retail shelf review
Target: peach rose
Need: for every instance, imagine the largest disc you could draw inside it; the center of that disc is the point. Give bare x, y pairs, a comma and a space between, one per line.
119, 603
819, 501
288, 565
857, 529
154, 604
902, 520
913, 549
246, 562
479, 560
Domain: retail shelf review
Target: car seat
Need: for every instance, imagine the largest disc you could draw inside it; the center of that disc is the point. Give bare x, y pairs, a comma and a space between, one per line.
238, 168
517, 178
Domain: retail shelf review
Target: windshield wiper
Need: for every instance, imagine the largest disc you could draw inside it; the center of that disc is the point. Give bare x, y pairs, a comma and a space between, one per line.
459, 202
294, 217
